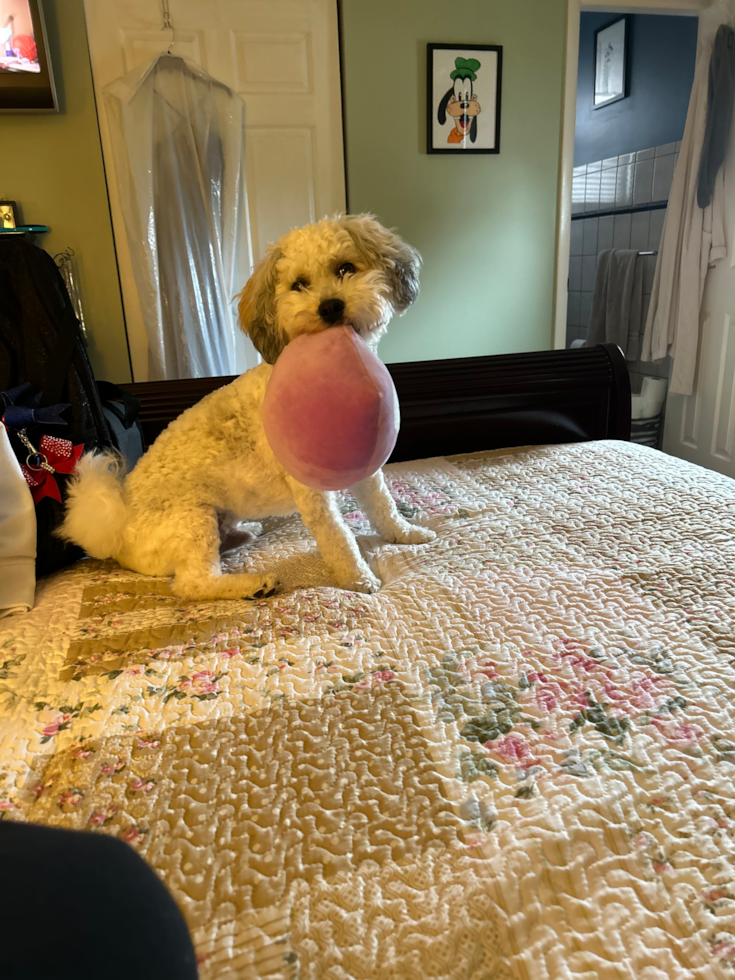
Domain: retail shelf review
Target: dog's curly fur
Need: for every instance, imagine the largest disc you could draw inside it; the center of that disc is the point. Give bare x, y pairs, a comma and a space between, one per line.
212, 468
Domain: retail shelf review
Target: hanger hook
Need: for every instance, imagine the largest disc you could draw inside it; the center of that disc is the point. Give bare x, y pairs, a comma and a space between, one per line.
167, 25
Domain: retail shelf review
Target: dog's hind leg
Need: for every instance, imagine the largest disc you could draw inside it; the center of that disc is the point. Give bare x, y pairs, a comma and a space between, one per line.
373, 496
198, 573
334, 539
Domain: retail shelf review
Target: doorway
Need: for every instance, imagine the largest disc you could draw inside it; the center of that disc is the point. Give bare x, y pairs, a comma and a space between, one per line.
620, 152
575, 8
699, 427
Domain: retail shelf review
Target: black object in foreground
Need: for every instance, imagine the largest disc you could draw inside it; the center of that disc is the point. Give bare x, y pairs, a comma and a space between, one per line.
80, 906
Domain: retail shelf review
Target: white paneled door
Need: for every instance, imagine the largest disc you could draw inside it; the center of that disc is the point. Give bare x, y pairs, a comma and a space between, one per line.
282, 57
701, 427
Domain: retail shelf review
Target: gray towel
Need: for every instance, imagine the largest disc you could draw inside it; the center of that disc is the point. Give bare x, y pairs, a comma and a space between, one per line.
720, 96
617, 302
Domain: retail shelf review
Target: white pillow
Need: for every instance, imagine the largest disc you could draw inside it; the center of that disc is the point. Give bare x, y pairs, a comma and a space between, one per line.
17, 534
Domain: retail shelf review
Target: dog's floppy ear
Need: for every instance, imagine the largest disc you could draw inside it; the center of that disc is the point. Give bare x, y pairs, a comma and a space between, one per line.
379, 247
473, 129
441, 113
257, 308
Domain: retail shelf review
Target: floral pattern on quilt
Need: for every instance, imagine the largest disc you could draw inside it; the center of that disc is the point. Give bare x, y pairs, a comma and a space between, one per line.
514, 762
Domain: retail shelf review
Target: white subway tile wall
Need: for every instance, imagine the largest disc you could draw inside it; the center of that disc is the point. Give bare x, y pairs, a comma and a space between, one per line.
589, 270
643, 183
577, 231
618, 182
621, 233
573, 309
575, 273
605, 230
663, 174
579, 184
624, 186
589, 235
639, 225
608, 180
592, 192
630, 174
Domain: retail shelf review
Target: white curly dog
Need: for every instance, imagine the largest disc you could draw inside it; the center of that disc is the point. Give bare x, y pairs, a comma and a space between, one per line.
212, 468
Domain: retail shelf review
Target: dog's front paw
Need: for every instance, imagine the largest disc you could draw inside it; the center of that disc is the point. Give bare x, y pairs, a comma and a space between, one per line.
268, 587
365, 581
412, 534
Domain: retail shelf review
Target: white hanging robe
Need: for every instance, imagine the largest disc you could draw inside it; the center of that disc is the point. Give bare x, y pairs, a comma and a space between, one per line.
692, 239
178, 140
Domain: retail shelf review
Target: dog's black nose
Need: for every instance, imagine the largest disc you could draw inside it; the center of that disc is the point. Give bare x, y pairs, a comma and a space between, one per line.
331, 310
464, 105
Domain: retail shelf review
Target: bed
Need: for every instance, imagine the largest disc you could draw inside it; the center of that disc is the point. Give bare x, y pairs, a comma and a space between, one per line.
514, 762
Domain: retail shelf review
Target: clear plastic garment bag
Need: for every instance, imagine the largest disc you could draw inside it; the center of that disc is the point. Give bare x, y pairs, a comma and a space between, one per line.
178, 139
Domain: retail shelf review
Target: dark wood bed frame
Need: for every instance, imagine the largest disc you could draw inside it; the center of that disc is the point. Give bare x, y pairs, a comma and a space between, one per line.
469, 404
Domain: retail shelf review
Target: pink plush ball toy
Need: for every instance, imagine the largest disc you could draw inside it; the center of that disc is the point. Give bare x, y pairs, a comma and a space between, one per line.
330, 411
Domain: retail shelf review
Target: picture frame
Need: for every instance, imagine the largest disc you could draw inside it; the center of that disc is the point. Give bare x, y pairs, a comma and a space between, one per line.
8, 214
463, 93
26, 74
611, 69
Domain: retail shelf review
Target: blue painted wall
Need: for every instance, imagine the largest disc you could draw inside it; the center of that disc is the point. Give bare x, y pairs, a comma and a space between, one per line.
662, 52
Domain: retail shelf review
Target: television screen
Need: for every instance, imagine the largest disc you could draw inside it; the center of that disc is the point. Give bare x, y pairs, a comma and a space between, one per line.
26, 82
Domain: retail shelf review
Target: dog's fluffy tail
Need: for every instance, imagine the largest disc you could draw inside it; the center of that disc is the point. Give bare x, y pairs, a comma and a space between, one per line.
95, 509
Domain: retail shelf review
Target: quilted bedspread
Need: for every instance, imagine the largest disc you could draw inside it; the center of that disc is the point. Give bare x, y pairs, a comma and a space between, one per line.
515, 762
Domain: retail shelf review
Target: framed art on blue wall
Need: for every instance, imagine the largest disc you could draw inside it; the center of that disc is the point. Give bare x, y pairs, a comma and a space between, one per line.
463, 98
610, 63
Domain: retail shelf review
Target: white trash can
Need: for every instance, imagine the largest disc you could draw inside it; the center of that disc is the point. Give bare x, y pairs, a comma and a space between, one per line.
647, 412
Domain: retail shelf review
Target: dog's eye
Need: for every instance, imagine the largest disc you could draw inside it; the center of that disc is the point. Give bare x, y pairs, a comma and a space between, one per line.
300, 284
346, 269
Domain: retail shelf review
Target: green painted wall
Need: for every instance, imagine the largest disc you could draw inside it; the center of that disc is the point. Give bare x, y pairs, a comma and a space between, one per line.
52, 166
485, 224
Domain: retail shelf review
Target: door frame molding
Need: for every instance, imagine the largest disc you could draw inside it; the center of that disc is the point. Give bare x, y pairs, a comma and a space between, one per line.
568, 118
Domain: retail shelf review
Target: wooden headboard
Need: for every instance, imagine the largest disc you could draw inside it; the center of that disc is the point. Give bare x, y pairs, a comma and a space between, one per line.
469, 404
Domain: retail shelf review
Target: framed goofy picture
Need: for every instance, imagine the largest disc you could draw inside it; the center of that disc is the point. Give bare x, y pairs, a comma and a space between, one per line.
463, 98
